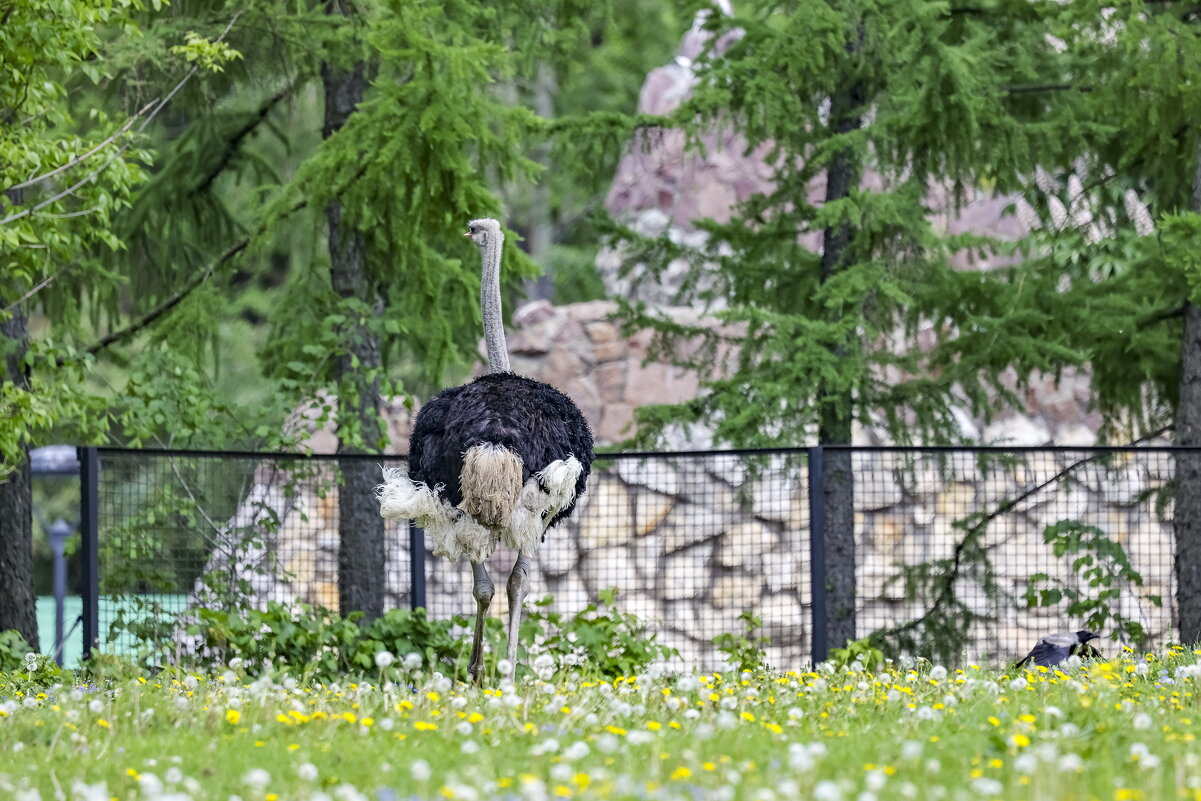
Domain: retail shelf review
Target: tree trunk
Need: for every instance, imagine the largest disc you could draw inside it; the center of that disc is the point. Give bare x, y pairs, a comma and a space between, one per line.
357, 371
836, 402
18, 606
1186, 520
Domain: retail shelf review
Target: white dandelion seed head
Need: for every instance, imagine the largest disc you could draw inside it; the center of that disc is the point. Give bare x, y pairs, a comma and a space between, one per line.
420, 770
1071, 763
470, 747
826, 790
384, 659
504, 667
1019, 683
256, 778
576, 751
1141, 721
1025, 763
938, 672
307, 771
989, 788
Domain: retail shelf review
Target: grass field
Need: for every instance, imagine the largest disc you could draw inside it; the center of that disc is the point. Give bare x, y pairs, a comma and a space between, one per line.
1121, 730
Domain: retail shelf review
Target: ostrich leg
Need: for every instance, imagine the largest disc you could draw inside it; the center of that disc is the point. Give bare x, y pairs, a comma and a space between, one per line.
519, 582
482, 590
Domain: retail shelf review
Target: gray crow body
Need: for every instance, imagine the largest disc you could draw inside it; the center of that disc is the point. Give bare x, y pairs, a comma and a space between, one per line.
1055, 648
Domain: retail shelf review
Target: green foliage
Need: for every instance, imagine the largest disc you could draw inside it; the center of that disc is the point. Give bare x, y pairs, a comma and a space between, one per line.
322, 646
744, 650
870, 658
1103, 564
921, 96
26, 669
211, 55
600, 637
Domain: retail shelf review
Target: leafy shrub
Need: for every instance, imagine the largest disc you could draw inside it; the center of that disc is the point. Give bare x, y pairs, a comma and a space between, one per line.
318, 644
745, 651
23, 667
599, 637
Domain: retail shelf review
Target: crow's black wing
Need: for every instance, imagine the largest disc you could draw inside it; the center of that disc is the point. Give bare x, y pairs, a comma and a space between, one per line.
1051, 650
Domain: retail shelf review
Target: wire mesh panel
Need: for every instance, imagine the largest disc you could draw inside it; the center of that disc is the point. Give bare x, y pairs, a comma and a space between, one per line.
182, 532
690, 542
978, 553
973, 553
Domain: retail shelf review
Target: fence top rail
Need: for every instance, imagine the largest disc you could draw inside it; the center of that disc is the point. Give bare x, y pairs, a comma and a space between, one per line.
617, 455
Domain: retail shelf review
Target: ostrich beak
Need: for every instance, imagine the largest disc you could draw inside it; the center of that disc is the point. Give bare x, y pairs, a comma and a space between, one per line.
467, 235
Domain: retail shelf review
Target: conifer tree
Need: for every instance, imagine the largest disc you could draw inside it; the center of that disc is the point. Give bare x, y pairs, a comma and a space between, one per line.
873, 114
1122, 223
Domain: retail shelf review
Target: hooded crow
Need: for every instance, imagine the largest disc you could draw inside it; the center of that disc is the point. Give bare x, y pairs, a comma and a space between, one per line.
1055, 648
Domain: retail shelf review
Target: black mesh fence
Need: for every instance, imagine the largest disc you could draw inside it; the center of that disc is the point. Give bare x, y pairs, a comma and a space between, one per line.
972, 552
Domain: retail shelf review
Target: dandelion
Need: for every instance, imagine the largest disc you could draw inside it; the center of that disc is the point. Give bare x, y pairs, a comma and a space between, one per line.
384, 659
232, 716
938, 672
827, 791
256, 778
987, 787
420, 770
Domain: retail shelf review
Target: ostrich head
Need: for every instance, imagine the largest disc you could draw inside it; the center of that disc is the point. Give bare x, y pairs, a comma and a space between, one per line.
488, 237
484, 232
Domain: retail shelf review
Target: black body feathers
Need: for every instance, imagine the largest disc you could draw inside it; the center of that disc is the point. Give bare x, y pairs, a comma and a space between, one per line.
534, 420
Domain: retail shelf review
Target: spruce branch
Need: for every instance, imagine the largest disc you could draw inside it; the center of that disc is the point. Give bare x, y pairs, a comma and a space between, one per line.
234, 142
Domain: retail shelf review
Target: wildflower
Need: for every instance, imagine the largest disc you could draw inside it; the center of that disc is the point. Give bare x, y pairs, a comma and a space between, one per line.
420, 770
413, 660
384, 659
256, 778
987, 787
232, 716
827, 791
938, 672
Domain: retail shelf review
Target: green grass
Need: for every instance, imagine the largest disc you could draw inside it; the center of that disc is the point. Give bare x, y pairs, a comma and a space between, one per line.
1122, 729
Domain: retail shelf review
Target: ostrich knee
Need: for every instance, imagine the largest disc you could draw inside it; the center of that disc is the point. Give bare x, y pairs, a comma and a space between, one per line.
518, 585
482, 590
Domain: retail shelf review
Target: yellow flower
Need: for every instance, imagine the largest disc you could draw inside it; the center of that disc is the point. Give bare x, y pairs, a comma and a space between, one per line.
1021, 740
615, 730
104, 723
708, 766
1127, 794
654, 725
748, 717
232, 716
562, 792
421, 725
680, 773
994, 721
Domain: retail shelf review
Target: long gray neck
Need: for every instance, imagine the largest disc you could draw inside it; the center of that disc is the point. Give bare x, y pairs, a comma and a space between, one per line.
494, 326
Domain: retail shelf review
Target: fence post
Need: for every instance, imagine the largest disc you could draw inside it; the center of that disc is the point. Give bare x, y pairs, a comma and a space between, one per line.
817, 555
416, 566
89, 516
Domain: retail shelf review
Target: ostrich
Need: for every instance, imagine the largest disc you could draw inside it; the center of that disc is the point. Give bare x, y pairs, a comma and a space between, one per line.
500, 459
